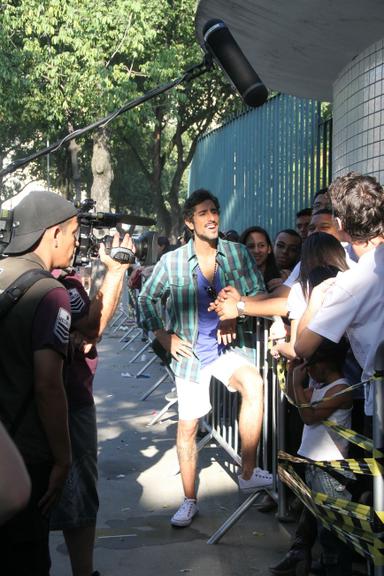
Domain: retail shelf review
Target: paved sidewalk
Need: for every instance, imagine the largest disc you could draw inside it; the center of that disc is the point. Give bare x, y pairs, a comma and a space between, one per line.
139, 489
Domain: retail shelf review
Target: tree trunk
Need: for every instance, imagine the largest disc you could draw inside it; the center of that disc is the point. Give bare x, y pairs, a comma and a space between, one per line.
164, 220
102, 172
74, 150
102, 179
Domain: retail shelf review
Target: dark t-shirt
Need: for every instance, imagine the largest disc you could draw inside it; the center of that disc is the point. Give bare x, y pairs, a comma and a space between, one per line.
50, 330
52, 322
81, 366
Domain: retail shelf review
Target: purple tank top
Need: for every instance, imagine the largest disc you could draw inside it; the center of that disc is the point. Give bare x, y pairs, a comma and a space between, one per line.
207, 347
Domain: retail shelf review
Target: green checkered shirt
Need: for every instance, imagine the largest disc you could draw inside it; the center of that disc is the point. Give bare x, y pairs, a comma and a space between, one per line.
175, 278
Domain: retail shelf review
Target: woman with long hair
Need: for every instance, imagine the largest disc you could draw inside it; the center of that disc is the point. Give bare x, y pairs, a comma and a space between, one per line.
258, 242
322, 256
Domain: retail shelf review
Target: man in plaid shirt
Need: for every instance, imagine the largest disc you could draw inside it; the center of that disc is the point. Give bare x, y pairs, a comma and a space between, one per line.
200, 345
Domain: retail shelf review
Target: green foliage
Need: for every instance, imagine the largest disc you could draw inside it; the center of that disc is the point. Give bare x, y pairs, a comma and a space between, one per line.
64, 61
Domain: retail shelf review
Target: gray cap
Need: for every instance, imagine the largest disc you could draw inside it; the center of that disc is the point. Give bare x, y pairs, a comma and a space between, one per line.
31, 218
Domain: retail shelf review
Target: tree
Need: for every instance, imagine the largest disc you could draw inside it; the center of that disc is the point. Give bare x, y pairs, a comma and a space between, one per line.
69, 63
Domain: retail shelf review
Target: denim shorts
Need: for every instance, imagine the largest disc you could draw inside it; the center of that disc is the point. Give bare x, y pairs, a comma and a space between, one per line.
320, 481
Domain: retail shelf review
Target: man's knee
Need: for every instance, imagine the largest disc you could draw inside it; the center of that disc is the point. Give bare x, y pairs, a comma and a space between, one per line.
248, 382
187, 430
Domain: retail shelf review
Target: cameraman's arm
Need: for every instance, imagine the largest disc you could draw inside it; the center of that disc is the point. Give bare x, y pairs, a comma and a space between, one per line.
104, 303
15, 485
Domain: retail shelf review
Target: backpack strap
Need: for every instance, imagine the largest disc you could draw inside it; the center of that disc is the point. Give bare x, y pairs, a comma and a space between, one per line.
10, 296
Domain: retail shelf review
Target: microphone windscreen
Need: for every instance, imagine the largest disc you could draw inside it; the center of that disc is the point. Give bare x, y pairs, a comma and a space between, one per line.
227, 53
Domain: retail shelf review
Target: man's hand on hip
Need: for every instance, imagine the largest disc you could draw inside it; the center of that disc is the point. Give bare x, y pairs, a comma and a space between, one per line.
175, 345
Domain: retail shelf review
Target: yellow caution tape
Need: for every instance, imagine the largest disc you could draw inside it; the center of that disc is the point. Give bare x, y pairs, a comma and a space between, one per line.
351, 522
363, 466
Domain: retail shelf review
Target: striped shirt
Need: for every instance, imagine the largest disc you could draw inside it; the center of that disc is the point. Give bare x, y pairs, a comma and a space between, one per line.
175, 277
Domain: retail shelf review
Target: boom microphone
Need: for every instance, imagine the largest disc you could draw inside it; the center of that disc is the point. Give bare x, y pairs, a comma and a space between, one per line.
221, 44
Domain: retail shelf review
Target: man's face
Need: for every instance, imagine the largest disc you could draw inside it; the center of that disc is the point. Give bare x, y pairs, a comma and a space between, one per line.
302, 223
66, 243
287, 250
324, 223
205, 221
322, 201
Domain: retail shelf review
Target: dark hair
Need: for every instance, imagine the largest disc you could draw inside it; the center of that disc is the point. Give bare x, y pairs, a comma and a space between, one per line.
232, 235
290, 231
320, 273
271, 269
330, 211
184, 237
332, 353
360, 203
163, 241
304, 212
321, 191
320, 249
197, 197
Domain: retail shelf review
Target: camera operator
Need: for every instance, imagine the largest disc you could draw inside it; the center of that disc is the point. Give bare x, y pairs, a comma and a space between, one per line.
76, 512
34, 342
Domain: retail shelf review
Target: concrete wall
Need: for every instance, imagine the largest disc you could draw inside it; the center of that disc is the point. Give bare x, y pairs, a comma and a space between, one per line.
358, 115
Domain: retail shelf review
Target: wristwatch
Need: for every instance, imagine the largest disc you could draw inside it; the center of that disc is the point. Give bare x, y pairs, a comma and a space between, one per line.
240, 305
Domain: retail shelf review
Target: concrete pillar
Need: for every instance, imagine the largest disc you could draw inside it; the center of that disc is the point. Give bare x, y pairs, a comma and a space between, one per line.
358, 115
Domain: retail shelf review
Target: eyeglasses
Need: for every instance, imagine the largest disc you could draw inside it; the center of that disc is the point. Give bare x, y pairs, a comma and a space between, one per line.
211, 291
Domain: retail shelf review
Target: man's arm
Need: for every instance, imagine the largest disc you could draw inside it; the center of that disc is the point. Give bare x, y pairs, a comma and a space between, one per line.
307, 341
174, 344
52, 408
260, 305
104, 303
15, 485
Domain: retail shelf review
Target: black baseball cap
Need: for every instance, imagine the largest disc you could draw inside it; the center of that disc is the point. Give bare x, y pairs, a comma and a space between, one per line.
34, 215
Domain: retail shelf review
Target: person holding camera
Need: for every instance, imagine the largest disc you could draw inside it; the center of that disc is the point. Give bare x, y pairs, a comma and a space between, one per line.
34, 344
75, 513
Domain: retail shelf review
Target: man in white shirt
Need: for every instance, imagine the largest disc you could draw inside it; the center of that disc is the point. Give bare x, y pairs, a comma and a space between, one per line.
353, 302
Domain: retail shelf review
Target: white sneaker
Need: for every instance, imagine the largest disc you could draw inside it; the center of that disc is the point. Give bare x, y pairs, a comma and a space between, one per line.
185, 514
259, 479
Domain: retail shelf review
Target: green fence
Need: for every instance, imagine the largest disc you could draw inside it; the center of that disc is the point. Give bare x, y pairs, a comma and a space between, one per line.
266, 164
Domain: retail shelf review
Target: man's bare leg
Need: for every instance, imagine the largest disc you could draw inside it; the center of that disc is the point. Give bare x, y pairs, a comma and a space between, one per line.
187, 454
80, 542
249, 383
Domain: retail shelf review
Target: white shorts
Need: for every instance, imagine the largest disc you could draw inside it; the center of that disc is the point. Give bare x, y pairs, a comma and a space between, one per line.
193, 397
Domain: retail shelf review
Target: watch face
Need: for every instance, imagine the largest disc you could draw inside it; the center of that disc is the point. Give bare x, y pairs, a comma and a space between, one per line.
240, 306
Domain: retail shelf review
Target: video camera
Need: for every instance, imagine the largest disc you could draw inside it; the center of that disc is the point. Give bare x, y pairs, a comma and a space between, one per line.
90, 220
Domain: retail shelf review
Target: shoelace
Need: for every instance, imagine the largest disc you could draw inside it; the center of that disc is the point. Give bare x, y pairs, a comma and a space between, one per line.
187, 507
